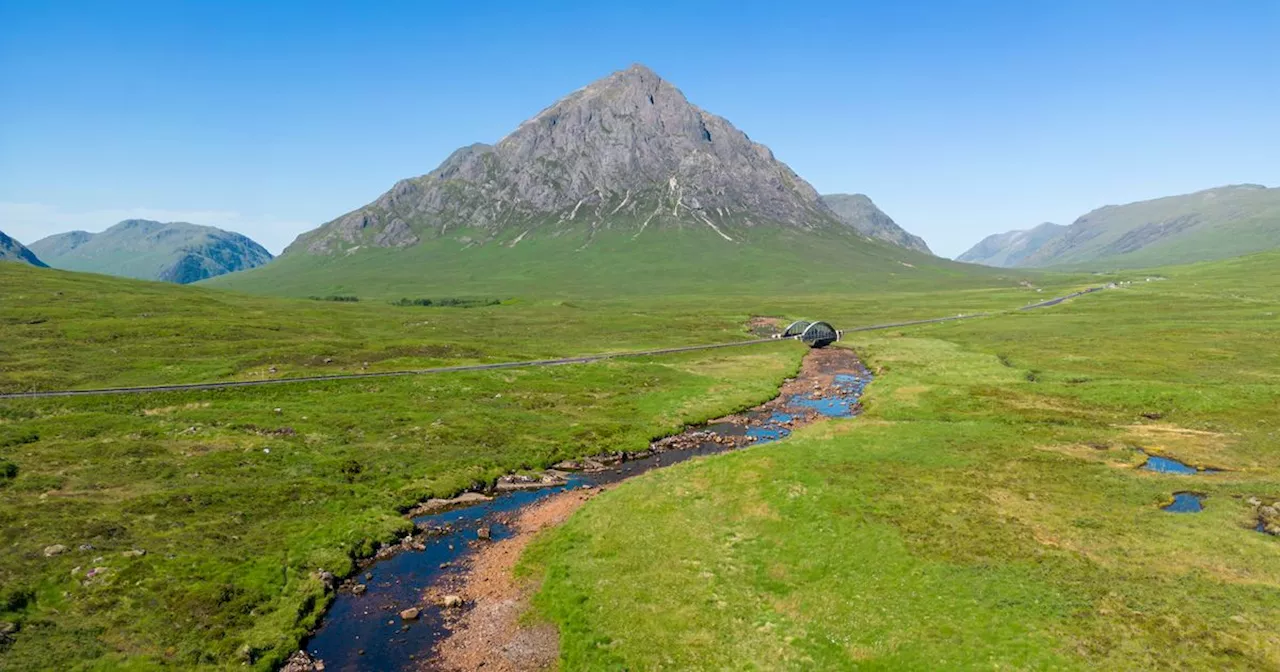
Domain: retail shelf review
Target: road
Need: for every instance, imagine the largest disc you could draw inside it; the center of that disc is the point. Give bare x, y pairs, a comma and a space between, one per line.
584, 359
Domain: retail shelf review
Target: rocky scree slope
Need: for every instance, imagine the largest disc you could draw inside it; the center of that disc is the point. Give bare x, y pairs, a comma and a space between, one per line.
858, 211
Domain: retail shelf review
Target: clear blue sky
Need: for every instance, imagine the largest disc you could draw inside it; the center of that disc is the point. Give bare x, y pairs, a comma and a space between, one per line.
959, 119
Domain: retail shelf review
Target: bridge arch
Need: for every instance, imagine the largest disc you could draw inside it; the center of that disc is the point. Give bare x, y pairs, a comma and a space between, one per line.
819, 335
795, 328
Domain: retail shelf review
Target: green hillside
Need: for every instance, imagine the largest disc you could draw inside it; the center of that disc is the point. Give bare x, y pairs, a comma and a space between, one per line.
137, 248
1211, 224
609, 262
12, 250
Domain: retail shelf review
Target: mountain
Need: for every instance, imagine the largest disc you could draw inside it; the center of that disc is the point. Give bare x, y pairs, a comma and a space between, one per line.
858, 211
12, 250
139, 248
629, 145
1010, 249
1215, 223
623, 185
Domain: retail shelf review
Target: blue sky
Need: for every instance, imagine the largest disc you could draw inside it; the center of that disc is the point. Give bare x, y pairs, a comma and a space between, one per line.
960, 119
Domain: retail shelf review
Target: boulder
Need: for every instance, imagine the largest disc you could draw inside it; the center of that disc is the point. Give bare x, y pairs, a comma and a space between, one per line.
359, 589
55, 549
451, 602
410, 614
483, 533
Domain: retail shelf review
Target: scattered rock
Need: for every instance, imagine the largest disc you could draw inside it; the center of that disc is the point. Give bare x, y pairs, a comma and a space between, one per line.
359, 589
410, 614
135, 553
483, 533
86, 547
327, 578
300, 661
434, 505
451, 602
527, 482
55, 549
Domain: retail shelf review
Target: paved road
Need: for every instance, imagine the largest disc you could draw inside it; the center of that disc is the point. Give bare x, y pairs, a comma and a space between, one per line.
184, 387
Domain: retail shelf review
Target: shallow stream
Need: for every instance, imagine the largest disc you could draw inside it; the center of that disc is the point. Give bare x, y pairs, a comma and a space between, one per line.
365, 631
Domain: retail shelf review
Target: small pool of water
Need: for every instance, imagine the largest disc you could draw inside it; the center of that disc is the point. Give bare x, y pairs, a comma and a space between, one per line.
1185, 502
1165, 465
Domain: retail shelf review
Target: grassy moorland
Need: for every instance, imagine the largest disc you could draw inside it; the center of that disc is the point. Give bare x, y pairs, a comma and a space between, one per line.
617, 263
986, 511
238, 497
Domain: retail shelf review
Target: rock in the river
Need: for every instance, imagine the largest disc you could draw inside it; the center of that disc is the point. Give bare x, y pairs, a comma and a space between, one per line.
55, 549
410, 614
483, 533
359, 589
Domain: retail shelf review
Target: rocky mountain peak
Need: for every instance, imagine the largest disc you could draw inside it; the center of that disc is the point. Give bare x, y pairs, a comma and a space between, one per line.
628, 150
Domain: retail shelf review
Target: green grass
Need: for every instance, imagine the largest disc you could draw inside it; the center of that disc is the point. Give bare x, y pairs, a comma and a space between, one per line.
234, 533
692, 261
984, 512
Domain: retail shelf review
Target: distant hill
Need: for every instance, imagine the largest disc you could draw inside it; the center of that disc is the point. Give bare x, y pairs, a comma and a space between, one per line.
12, 250
1212, 224
621, 186
139, 248
1012, 248
858, 211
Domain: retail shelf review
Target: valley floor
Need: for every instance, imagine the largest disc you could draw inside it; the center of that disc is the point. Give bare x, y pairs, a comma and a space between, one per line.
988, 509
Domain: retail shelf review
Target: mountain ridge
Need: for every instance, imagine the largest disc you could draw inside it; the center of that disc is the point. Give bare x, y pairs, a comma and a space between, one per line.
177, 252
1215, 223
12, 250
860, 212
